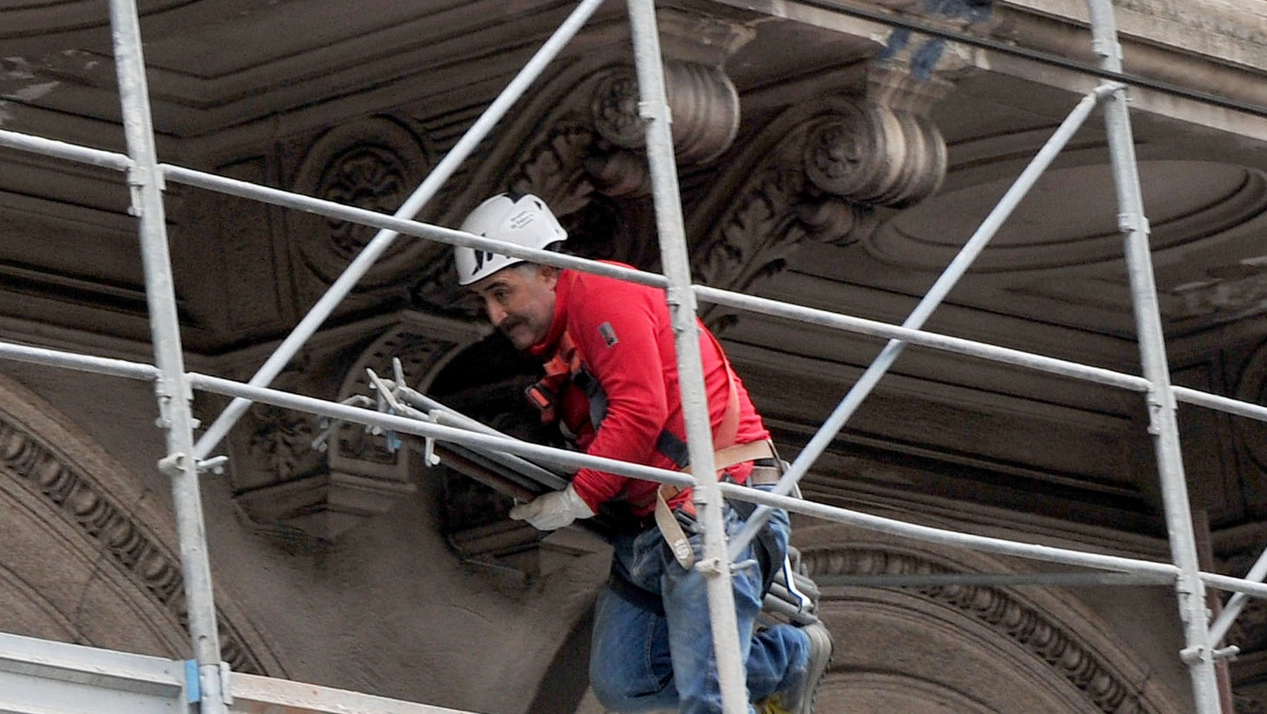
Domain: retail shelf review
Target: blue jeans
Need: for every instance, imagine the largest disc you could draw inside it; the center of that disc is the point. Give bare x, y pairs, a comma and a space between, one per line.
642, 660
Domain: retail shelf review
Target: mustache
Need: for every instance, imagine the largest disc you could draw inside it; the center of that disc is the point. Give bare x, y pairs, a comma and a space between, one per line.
509, 324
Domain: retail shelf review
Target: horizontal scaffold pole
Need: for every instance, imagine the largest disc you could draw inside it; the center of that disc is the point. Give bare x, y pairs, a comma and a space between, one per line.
576, 460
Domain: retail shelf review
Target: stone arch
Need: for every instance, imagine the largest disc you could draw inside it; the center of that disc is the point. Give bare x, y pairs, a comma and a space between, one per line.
959, 650
991, 649
91, 556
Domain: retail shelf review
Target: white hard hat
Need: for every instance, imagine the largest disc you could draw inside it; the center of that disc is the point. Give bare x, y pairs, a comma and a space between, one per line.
523, 220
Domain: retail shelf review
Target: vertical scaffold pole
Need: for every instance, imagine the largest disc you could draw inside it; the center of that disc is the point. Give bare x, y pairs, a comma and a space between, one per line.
172, 389
1163, 424
715, 565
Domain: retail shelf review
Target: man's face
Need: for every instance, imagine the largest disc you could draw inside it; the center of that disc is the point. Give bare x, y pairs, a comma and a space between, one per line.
520, 301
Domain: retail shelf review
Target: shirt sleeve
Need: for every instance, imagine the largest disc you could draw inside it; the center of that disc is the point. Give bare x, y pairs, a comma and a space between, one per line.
616, 332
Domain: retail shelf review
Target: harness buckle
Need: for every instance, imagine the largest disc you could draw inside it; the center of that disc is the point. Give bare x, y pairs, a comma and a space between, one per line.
543, 398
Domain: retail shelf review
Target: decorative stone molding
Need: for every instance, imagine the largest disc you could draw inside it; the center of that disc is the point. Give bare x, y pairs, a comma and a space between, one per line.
886, 150
73, 488
1112, 687
577, 142
292, 485
554, 167
875, 154
702, 100
373, 164
767, 203
775, 212
580, 180
614, 108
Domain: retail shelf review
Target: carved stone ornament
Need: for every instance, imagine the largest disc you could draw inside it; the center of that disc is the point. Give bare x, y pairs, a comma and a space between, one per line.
775, 212
66, 483
702, 99
615, 109
1045, 639
578, 180
554, 167
703, 102
360, 474
374, 164
766, 204
872, 153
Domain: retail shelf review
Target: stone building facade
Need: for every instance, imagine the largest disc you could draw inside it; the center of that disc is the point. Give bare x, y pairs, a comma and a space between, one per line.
826, 159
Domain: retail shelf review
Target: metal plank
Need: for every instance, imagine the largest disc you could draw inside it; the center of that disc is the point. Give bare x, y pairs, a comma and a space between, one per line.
253, 694
40, 676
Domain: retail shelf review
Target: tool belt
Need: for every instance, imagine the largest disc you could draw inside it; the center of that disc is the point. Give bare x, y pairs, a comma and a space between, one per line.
762, 475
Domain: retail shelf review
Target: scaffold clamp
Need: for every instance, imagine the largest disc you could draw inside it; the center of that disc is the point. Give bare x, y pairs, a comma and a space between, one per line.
213, 465
194, 685
173, 464
1196, 655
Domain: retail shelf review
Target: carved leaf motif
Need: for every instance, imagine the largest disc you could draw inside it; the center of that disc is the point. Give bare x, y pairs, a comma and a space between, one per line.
771, 219
281, 440
757, 237
554, 168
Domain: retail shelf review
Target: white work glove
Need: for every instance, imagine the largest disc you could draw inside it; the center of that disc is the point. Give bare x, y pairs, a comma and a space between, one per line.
551, 511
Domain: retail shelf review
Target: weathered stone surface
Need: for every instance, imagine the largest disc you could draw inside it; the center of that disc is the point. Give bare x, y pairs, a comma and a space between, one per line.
358, 568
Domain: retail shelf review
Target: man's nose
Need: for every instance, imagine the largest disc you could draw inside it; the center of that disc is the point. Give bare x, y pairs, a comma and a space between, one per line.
495, 313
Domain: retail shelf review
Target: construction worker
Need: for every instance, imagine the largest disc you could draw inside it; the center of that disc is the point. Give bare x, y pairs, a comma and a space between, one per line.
611, 383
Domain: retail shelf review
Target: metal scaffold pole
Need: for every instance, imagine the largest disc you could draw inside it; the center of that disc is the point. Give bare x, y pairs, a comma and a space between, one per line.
171, 386
715, 565
1198, 652
24, 661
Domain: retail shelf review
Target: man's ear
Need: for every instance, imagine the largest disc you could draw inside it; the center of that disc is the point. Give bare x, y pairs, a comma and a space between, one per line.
549, 273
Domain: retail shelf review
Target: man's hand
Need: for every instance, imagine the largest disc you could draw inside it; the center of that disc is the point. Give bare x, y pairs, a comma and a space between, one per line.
551, 511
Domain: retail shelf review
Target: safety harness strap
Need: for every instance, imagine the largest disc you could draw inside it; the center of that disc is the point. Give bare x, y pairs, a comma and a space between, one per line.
566, 365
669, 527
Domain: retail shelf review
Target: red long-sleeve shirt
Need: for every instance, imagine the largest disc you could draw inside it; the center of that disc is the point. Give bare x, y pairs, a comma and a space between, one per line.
624, 337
